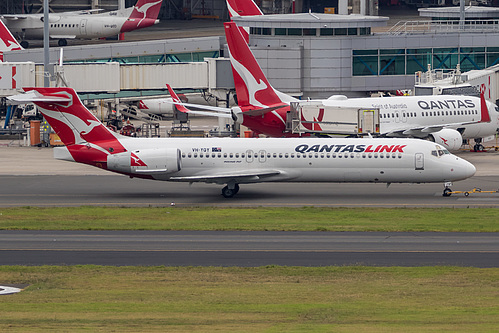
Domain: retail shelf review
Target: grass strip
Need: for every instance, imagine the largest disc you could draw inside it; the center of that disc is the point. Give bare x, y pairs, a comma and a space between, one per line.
258, 219
262, 299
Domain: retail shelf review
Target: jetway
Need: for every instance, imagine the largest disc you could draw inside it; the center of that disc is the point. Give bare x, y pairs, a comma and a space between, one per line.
113, 77
314, 117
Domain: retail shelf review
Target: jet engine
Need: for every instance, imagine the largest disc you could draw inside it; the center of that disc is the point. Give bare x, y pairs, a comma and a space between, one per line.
448, 138
146, 161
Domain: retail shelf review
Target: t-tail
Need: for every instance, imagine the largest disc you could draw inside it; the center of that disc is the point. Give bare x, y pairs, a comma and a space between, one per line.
144, 14
87, 140
252, 87
7, 40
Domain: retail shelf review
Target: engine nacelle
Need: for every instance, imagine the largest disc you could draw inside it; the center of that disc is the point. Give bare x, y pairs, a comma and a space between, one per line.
448, 138
146, 161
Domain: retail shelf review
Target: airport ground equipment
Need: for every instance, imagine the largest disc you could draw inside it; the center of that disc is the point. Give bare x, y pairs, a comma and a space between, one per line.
313, 117
467, 193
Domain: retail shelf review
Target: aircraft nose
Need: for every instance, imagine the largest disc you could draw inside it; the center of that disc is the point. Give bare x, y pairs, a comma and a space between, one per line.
470, 169
466, 169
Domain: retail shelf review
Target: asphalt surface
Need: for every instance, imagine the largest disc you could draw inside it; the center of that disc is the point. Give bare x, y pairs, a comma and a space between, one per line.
30, 177
247, 249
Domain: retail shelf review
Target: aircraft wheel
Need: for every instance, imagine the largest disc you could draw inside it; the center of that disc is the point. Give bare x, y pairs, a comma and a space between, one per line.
62, 42
228, 193
236, 188
466, 194
24, 44
447, 192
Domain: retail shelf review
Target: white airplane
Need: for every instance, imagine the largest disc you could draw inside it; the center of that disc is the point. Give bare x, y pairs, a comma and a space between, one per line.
81, 24
160, 106
241, 161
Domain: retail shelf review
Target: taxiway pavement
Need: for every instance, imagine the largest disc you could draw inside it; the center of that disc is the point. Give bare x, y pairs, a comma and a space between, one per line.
247, 249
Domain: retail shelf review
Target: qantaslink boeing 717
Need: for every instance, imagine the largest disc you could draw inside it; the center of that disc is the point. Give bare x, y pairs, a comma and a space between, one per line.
235, 161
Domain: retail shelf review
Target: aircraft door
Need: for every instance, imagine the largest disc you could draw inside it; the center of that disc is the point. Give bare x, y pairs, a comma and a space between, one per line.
397, 117
419, 161
249, 156
83, 27
367, 121
403, 116
262, 156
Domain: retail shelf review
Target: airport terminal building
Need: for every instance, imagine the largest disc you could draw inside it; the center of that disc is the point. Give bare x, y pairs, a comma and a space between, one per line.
319, 55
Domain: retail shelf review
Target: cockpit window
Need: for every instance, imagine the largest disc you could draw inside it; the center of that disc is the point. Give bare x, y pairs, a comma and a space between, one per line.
497, 109
439, 151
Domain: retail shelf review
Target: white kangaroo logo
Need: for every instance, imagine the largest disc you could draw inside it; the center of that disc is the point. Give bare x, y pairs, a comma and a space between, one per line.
254, 85
144, 8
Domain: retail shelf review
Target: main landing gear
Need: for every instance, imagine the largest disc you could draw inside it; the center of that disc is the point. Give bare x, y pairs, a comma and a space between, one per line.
230, 190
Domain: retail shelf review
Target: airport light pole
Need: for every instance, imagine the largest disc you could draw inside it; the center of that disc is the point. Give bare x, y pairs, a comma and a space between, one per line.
46, 54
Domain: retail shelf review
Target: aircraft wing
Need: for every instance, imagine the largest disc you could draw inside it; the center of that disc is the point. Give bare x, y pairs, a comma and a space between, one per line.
243, 176
255, 112
14, 16
205, 107
83, 12
62, 36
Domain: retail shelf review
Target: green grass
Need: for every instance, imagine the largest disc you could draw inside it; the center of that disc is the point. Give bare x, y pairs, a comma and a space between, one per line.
261, 218
263, 299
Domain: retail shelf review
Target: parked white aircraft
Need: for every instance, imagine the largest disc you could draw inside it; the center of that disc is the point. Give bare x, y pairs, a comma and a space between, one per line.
241, 161
71, 25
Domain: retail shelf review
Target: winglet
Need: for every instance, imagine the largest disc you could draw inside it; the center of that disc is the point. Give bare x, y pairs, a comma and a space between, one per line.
485, 116
178, 103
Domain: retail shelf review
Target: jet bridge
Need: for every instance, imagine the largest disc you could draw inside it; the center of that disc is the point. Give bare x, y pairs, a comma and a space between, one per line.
314, 117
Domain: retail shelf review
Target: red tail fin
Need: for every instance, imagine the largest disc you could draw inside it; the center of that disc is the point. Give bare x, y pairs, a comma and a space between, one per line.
176, 99
243, 8
144, 14
7, 41
71, 120
484, 110
252, 87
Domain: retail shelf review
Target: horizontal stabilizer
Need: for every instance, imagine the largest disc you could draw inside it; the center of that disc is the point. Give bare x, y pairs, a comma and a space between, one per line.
260, 112
35, 96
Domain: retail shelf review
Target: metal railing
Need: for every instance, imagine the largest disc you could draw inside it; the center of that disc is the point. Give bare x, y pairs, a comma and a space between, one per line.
448, 26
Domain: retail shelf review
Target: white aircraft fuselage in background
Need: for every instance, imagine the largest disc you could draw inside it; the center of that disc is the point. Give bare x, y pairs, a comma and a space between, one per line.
447, 118
71, 25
